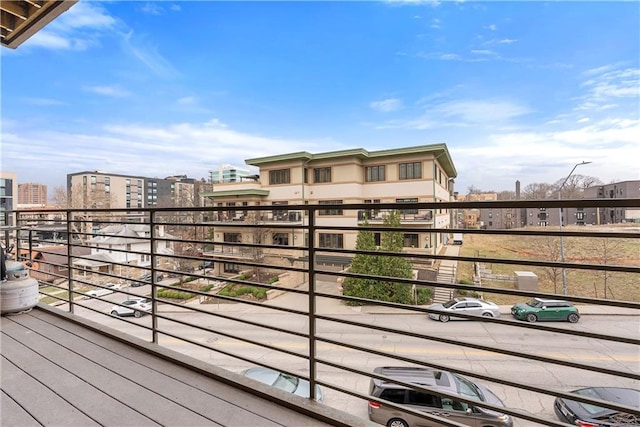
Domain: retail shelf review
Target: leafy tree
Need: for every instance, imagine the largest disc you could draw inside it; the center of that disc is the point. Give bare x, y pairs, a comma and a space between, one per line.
363, 264
391, 266
380, 265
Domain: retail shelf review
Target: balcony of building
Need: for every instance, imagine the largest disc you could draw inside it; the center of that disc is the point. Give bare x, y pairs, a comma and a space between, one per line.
70, 360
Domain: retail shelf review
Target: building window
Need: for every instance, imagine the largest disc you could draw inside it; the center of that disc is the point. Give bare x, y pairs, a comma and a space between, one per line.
410, 170
231, 268
232, 237
280, 176
374, 173
329, 240
330, 211
321, 175
410, 240
280, 214
281, 239
408, 211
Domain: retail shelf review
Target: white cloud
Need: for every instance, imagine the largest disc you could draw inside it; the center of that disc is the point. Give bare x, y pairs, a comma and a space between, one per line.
608, 87
187, 100
583, 120
111, 91
483, 52
547, 156
435, 23
386, 105
77, 29
433, 3
148, 54
84, 14
152, 9
491, 27
148, 150
507, 41
43, 102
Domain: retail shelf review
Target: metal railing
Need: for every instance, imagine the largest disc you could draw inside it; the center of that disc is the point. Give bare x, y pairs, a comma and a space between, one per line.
286, 323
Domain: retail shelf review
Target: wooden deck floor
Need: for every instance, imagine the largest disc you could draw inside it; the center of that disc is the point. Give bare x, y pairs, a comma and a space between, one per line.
56, 372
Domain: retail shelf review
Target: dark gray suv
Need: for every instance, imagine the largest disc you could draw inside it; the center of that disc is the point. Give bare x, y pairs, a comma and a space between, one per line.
451, 409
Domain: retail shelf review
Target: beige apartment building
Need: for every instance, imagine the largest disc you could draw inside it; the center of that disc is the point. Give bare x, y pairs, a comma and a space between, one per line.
30, 193
357, 176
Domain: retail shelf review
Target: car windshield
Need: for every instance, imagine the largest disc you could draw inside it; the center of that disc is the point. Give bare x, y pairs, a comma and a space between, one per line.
286, 382
468, 389
450, 303
534, 303
622, 396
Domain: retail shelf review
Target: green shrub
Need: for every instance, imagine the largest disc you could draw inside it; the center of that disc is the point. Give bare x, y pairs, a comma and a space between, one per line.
462, 292
236, 291
272, 280
170, 293
423, 295
205, 288
465, 282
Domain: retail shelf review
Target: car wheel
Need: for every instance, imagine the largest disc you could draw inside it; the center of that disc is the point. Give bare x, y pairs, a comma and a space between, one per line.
137, 314
444, 318
397, 422
114, 313
531, 318
573, 318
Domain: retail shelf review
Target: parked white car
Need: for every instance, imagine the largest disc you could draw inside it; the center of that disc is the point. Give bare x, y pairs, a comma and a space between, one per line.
131, 307
109, 288
472, 306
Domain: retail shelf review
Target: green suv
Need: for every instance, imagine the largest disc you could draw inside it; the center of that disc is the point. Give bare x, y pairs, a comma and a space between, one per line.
545, 309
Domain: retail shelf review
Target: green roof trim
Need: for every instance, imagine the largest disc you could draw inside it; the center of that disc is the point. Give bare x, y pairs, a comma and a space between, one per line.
229, 193
440, 151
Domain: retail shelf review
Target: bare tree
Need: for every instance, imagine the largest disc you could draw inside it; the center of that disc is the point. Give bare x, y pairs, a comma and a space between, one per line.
575, 185
507, 195
549, 248
537, 191
258, 235
473, 190
603, 250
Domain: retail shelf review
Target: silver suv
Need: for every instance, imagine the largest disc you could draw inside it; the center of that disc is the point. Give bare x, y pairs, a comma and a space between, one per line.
439, 381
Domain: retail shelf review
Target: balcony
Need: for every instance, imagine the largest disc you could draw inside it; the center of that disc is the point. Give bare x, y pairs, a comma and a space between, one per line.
407, 216
182, 363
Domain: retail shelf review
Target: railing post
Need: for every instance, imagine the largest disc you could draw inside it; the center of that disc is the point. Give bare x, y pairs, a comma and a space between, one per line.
153, 247
312, 303
69, 262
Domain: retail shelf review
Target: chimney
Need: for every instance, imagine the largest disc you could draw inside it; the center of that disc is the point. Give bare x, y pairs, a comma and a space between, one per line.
517, 190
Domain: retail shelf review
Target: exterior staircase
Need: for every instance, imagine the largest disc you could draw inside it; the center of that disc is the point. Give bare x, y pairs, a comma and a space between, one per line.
446, 274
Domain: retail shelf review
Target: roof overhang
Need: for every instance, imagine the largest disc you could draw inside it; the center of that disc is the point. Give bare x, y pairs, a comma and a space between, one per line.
439, 152
22, 19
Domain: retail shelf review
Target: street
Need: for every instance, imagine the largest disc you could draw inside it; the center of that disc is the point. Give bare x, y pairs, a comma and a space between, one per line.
608, 355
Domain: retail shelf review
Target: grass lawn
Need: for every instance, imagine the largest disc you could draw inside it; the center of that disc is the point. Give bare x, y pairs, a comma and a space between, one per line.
587, 250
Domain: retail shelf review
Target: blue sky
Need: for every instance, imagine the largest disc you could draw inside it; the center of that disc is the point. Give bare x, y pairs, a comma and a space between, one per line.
517, 90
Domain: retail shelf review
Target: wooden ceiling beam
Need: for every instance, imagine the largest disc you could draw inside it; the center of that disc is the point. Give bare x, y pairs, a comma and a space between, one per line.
7, 21
19, 9
35, 3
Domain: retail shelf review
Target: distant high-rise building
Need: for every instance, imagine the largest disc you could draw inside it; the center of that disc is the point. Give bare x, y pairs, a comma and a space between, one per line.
102, 190
228, 173
8, 199
32, 194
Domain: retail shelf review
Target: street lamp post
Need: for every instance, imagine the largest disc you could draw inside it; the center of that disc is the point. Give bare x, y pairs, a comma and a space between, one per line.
564, 276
